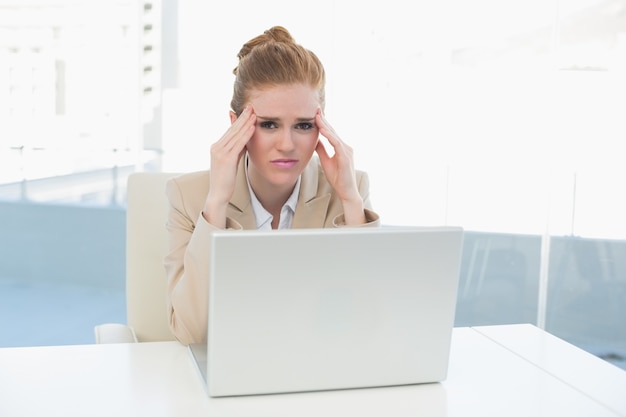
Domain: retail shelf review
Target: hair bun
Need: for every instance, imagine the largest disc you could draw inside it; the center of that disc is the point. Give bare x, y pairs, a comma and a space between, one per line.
274, 58
273, 34
279, 34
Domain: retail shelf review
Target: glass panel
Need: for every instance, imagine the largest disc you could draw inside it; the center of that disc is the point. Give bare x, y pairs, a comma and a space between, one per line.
62, 272
499, 279
587, 295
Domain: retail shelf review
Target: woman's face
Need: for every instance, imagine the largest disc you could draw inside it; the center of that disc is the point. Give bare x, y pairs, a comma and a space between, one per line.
285, 135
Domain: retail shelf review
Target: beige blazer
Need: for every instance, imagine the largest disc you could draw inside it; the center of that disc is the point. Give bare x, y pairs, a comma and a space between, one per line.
187, 261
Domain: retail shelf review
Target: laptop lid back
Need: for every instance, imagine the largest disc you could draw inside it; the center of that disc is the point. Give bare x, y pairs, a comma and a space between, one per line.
318, 309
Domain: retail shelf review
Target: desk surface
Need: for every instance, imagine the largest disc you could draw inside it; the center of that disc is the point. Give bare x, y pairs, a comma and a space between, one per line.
515, 370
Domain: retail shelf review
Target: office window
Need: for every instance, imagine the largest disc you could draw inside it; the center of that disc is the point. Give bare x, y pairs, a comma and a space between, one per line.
504, 117
79, 82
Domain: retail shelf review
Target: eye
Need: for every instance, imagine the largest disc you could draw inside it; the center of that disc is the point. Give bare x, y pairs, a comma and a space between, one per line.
268, 125
304, 126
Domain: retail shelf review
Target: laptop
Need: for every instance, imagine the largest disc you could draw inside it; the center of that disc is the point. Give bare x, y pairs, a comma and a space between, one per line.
303, 310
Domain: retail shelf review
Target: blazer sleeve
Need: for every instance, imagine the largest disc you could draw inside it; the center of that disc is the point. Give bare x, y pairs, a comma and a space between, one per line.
372, 219
187, 267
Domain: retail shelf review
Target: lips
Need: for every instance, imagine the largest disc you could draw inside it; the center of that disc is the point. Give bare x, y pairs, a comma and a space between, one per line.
284, 163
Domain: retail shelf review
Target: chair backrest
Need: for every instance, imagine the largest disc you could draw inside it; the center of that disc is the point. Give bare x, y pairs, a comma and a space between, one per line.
146, 246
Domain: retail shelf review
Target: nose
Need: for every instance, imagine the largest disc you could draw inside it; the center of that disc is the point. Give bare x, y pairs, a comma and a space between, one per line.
285, 141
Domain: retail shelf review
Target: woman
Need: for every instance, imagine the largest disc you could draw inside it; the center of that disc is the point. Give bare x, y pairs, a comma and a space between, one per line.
263, 174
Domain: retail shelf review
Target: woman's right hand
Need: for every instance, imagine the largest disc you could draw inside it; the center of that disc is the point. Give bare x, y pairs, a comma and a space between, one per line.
225, 156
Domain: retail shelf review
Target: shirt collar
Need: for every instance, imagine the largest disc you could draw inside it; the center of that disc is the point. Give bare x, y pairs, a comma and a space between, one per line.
263, 217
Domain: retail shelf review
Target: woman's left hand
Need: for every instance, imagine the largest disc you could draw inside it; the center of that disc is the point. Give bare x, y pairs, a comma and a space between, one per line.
339, 171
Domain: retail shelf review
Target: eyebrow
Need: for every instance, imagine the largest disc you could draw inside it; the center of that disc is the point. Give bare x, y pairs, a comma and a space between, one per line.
299, 119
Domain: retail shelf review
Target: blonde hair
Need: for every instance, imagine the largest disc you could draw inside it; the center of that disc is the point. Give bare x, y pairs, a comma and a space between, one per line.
274, 58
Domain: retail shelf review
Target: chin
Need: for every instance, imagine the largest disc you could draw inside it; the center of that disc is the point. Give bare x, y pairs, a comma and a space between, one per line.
285, 179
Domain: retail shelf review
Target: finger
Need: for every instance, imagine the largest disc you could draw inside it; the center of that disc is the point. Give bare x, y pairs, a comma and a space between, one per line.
327, 131
240, 132
244, 134
339, 147
321, 152
243, 122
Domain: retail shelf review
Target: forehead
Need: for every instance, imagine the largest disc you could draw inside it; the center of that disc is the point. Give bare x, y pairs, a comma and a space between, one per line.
285, 100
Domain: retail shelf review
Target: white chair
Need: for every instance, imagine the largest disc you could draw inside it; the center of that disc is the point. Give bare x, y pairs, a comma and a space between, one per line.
146, 245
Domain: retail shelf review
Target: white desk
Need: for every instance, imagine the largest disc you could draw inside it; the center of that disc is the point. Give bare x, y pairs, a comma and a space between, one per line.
515, 370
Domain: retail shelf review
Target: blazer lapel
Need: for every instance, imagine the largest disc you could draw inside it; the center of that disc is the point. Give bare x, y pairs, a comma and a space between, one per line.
240, 207
311, 208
